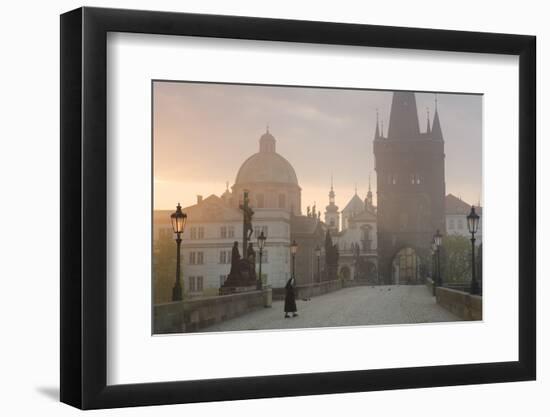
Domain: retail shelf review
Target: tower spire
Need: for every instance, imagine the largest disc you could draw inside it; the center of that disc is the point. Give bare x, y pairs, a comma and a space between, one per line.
428, 130
377, 132
403, 116
437, 134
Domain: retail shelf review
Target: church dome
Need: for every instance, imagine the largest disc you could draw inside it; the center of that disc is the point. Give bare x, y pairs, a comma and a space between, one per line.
266, 166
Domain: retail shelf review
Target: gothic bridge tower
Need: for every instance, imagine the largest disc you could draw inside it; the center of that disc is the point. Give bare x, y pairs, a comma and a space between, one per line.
410, 168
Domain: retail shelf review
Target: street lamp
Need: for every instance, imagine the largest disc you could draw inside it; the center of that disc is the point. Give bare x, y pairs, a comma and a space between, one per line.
178, 219
318, 253
261, 244
438, 238
293, 250
434, 249
473, 224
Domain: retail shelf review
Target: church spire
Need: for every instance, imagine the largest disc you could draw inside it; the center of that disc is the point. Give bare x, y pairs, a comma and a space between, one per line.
428, 129
437, 134
403, 116
377, 132
368, 200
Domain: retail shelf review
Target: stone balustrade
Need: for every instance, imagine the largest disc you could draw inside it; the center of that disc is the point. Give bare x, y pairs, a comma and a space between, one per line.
464, 305
197, 313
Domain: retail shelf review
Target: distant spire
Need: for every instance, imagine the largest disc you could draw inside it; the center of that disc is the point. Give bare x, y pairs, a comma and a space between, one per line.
377, 132
368, 200
331, 182
382, 128
428, 130
355, 188
227, 186
267, 128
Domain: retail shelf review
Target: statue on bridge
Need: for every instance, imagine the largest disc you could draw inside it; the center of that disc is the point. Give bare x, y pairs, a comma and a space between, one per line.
242, 276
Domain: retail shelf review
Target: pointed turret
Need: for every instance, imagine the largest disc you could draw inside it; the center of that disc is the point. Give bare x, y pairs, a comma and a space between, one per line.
377, 131
332, 217
368, 200
428, 129
403, 116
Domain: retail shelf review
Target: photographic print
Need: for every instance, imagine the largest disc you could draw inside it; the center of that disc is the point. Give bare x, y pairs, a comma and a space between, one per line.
285, 207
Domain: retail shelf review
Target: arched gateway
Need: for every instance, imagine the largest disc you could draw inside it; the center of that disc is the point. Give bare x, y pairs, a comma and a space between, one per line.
406, 267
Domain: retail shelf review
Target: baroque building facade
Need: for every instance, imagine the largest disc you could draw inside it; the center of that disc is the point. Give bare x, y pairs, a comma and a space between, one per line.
216, 222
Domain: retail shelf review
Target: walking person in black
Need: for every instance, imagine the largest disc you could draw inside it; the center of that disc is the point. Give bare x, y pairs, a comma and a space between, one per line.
290, 299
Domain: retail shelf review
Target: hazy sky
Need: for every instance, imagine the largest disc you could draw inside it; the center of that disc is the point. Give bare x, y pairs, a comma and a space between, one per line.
204, 132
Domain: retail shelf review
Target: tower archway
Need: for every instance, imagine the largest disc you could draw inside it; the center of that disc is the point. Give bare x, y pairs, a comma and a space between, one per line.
405, 267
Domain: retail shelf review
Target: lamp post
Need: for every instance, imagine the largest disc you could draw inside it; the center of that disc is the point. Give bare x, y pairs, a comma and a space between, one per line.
434, 248
261, 244
438, 240
293, 250
318, 253
178, 219
473, 224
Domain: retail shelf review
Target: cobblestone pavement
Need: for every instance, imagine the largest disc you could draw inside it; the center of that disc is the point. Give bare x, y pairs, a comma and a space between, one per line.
356, 306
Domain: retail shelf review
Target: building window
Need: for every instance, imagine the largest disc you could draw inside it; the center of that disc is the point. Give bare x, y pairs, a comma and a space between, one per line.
222, 280
193, 233
200, 258
415, 179
451, 224
225, 257
230, 231
192, 258
282, 201
201, 232
223, 232
392, 179
460, 224
331, 222
196, 284
260, 200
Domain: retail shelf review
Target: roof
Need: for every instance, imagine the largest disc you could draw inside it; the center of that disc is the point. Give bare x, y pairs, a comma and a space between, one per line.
455, 205
403, 116
303, 225
212, 209
266, 167
355, 205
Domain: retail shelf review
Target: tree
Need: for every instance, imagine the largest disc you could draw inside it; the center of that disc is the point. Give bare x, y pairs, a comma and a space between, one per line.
456, 259
164, 268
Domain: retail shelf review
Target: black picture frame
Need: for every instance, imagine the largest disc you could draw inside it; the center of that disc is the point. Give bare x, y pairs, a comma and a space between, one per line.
84, 207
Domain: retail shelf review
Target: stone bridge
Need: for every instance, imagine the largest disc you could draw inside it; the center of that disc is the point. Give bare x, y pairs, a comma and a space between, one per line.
356, 306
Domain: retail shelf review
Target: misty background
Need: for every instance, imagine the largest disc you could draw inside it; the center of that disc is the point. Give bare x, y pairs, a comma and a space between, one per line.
204, 132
